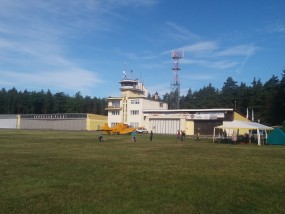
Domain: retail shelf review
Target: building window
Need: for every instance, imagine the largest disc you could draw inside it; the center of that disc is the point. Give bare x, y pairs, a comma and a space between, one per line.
135, 112
135, 101
115, 113
134, 125
160, 105
116, 104
113, 124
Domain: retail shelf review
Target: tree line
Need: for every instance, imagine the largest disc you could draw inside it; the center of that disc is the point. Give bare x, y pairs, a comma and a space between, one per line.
18, 102
266, 101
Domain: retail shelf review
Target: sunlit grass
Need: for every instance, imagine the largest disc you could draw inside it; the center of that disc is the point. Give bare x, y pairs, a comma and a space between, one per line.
71, 172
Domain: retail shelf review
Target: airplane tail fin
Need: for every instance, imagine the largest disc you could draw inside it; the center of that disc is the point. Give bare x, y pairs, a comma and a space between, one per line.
105, 126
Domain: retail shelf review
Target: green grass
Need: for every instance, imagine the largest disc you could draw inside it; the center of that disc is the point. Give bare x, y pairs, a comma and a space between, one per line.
71, 172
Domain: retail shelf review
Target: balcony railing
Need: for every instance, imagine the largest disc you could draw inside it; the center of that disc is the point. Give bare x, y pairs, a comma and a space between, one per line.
113, 108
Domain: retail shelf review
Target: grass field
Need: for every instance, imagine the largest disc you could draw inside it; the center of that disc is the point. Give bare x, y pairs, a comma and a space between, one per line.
71, 172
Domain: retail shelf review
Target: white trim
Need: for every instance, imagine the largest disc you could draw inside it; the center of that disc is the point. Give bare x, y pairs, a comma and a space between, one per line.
188, 110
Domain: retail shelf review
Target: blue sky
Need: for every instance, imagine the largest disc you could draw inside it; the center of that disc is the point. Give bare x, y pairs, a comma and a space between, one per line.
84, 45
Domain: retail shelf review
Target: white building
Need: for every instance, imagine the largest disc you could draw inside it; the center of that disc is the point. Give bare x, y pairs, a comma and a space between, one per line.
129, 108
136, 110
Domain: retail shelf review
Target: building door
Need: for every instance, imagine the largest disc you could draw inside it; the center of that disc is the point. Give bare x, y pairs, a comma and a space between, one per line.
206, 127
165, 126
189, 127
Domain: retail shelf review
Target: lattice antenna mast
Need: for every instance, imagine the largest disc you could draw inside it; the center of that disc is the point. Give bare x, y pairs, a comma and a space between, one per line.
175, 86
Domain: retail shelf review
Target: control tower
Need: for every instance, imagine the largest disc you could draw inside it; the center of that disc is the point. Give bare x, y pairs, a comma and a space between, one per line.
130, 106
132, 87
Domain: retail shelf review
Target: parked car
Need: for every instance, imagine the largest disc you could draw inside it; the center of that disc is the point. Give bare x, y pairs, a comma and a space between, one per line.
142, 131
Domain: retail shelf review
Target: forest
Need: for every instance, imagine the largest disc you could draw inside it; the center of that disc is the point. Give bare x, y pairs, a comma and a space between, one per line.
266, 100
17, 102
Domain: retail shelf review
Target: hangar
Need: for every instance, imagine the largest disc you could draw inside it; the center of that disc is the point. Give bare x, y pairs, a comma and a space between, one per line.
68, 121
189, 120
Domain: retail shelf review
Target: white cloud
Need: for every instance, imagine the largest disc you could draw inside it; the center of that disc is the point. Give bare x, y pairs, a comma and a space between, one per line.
179, 32
194, 61
211, 62
73, 79
276, 28
197, 48
37, 38
201, 47
240, 50
223, 64
33, 53
141, 3
209, 54
198, 76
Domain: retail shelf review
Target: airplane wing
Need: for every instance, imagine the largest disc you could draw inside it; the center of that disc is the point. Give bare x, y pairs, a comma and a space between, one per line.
127, 130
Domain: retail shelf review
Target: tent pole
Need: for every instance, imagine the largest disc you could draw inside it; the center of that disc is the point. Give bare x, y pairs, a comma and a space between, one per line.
258, 137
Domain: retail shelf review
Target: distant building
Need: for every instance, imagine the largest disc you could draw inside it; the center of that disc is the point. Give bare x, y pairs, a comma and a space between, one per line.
188, 120
67, 121
134, 109
129, 108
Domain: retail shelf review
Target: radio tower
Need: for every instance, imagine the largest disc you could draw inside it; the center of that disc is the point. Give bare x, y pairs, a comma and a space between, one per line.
174, 97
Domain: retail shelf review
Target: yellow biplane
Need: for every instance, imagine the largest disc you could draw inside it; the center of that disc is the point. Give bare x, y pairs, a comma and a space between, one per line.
120, 128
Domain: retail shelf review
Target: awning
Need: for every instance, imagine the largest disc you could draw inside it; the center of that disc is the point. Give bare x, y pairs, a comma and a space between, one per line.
239, 124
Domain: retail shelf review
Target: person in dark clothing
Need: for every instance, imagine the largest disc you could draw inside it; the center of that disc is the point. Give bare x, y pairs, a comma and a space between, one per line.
198, 135
182, 135
150, 136
100, 137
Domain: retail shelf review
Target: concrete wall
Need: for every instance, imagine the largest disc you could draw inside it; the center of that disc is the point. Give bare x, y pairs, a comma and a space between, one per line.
53, 124
154, 105
238, 116
8, 121
95, 122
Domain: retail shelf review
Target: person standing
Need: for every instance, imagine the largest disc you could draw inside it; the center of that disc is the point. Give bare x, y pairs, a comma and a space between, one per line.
150, 136
198, 135
178, 136
100, 137
250, 136
134, 134
234, 137
182, 135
